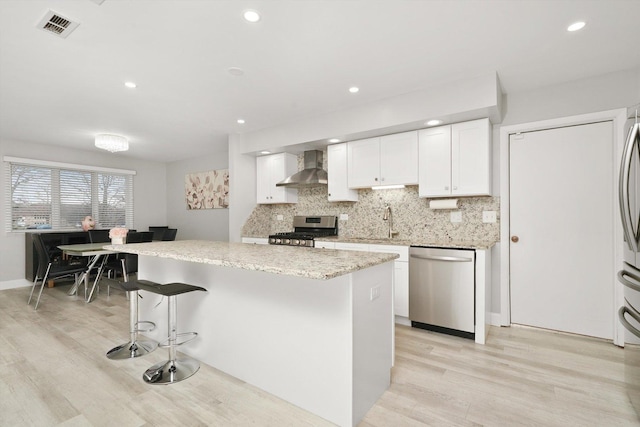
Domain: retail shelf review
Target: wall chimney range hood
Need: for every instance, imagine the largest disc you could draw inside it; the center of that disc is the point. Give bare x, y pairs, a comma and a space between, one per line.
312, 174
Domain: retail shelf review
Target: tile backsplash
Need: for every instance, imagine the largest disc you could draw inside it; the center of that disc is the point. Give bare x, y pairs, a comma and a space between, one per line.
412, 217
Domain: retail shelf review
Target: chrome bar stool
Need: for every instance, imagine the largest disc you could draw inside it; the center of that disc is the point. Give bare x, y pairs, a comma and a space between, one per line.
135, 347
174, 369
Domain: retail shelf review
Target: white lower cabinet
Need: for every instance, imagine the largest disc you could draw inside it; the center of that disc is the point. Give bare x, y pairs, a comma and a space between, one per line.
324, 245
401, 270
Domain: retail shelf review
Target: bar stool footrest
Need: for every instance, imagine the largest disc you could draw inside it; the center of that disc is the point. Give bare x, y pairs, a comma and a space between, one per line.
166, 344
150, 324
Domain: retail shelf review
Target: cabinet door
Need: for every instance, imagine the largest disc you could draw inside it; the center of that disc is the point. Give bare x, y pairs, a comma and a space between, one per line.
471, 158
399, 159
337, 170
263, 179
269, 171
324, 245
434, 153
363, 158
401, 289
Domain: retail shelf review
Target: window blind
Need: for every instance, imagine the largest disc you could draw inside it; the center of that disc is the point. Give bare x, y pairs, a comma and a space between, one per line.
48, 195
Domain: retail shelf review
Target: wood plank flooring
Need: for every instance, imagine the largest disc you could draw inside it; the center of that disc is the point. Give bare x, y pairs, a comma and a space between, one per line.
53, 372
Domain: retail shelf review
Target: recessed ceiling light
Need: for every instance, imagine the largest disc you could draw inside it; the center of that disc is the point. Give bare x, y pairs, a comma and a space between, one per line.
334, 140
240, 121
130, 85
251, 16
235, 71
265, 152
354, 89
576, 26
433, 122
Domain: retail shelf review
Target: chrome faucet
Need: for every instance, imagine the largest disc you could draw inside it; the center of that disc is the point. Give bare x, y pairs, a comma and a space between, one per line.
388, 217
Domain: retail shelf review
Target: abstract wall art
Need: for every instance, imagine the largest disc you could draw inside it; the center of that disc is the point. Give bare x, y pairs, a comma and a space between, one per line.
207, 190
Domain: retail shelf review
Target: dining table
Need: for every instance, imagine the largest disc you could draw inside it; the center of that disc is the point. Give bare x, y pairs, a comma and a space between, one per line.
97, 259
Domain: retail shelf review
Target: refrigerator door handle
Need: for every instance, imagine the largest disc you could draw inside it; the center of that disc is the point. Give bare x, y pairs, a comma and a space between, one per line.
634, 314
623, 188
624, 276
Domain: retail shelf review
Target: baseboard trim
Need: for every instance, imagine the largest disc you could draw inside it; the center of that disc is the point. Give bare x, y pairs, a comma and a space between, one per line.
12, 284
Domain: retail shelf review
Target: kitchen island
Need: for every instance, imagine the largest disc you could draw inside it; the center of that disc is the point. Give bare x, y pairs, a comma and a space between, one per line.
312, 327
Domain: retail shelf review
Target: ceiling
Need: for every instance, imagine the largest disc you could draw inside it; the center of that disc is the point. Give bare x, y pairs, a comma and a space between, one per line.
298, 61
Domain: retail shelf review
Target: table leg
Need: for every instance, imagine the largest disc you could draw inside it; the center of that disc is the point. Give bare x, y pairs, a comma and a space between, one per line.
84, 277
98, 276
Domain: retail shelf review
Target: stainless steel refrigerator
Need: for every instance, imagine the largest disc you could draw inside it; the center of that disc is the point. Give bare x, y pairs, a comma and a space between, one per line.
629, 276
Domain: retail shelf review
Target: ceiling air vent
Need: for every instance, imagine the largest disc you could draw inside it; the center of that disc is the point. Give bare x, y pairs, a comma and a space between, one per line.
57, 24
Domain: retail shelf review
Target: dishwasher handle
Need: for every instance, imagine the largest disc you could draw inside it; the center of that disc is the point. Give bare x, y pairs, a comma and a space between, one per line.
442, 258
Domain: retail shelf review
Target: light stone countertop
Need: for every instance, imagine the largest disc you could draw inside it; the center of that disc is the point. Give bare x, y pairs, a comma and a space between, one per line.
449, 243
310, 263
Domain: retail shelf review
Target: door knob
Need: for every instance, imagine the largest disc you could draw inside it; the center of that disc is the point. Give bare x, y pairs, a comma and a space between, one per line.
515, 239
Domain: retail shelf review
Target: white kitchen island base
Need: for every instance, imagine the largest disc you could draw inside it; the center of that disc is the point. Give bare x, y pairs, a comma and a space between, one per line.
323, 345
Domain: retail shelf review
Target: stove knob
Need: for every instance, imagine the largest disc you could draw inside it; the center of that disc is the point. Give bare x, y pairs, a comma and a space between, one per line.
278, 241
295, 242
272, 240
286, 241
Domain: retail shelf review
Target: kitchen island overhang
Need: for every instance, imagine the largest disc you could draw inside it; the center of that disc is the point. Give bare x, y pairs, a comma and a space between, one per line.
311, 326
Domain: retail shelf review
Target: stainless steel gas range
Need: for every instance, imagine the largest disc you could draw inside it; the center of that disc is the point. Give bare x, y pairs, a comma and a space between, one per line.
305, 230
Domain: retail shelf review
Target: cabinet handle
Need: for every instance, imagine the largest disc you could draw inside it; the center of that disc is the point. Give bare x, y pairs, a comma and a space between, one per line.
446, 187
455, 188
375, 179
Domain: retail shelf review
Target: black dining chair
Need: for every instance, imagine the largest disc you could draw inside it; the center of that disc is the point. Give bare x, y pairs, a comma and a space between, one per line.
169, 234
158, 231
99, 236
49, 270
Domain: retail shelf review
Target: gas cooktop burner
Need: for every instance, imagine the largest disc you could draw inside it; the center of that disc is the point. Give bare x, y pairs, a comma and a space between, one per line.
306, 228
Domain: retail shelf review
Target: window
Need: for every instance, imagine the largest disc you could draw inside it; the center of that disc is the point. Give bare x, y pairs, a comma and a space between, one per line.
47, 195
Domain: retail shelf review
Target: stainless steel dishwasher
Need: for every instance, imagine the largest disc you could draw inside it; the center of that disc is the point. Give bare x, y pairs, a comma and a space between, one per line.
442, 290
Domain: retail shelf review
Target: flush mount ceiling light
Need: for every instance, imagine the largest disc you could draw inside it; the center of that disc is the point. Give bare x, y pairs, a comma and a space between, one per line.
240, 121
334, 140
130, 85
354, 89
251, 16
112, 143
265, 152
433, 122
576, 26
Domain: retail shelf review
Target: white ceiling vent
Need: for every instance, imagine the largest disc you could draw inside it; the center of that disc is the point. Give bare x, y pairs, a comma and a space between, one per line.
57, 24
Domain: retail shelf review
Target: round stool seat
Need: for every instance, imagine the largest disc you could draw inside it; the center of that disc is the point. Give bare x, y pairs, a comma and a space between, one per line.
169, 289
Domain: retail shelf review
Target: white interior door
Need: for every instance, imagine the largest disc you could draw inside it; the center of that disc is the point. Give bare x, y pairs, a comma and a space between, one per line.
561, 216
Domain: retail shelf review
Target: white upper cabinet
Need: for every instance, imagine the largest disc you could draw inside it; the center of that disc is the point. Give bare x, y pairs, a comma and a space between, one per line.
338, 188
471, 158
455, 160
386, 160
269, 171
363, 158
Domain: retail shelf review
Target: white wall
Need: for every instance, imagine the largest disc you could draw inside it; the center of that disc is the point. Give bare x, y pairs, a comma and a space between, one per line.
150, 194
205, 224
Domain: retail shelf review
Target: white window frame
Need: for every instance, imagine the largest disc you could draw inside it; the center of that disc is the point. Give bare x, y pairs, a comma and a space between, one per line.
56, 194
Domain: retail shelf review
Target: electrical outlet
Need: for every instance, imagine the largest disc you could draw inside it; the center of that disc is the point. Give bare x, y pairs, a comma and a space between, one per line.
489, 216
344, 217
279, 217
456, 216
375, 292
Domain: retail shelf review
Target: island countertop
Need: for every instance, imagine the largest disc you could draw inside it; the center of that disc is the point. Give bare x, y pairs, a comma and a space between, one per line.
311, 263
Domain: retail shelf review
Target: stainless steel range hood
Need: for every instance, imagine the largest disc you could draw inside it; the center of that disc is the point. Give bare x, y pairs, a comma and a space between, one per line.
312, 174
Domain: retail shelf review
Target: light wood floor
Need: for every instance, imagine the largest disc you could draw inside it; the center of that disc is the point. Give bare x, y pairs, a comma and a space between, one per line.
53, 371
